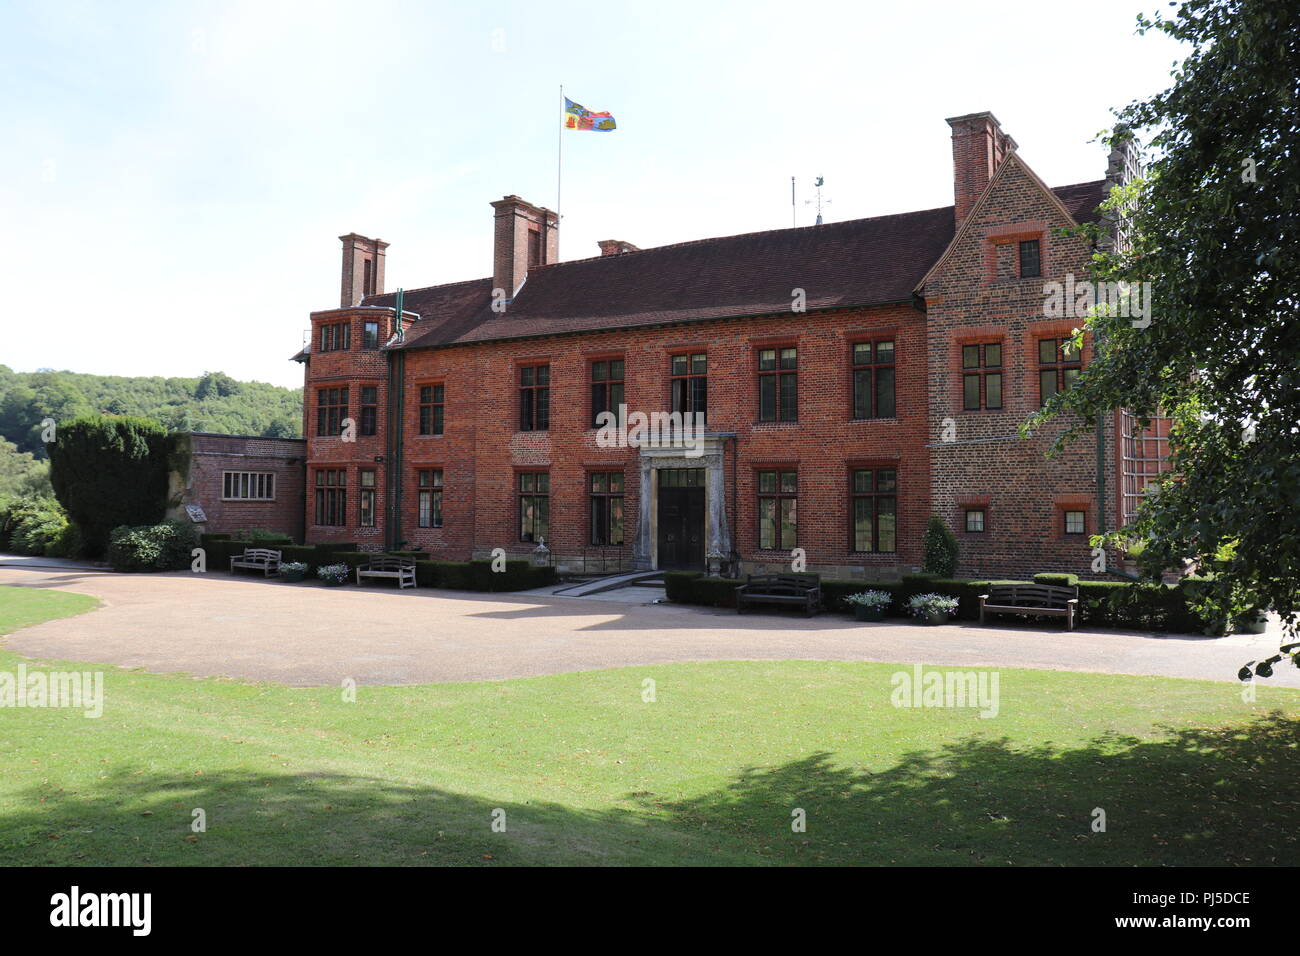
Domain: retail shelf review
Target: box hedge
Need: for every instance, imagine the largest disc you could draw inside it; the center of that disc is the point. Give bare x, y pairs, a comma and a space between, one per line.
519, 575
1117, 604
1057, 580
692, 587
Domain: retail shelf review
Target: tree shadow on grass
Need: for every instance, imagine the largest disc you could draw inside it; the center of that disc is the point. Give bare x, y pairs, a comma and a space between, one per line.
1213, 796
1219, 796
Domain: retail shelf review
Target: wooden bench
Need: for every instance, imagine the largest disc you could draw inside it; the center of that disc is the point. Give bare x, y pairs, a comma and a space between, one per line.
785, 589
258, 559
1036, 600
386, 566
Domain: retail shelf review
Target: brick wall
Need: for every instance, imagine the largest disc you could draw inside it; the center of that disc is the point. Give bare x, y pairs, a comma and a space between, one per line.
482, 450
211, 456
977, 296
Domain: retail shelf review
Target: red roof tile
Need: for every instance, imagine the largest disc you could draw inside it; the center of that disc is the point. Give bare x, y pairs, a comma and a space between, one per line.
855, 263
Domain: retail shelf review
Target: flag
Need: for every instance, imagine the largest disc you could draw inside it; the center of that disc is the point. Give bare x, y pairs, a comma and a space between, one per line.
579, 117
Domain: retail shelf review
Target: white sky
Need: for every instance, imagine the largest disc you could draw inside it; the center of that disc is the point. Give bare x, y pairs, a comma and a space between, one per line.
174, 177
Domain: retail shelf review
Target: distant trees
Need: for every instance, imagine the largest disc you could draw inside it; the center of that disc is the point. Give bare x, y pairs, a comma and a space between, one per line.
22, 473
213, 403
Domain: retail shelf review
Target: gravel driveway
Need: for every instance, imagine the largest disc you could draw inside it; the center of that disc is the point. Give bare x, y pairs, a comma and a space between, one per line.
306, 634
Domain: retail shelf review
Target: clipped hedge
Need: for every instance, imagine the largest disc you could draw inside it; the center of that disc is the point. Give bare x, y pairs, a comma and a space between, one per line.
692, 587
1057, 580
1117, 604
156, 547
220, 550
519, 575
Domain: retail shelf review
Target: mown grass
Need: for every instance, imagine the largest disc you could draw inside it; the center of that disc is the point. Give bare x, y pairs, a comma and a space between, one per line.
586, 771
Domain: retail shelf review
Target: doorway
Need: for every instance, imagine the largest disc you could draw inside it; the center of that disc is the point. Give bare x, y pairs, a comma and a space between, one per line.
681, 519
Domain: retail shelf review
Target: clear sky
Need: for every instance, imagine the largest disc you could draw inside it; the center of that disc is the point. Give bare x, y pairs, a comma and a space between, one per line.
174, 176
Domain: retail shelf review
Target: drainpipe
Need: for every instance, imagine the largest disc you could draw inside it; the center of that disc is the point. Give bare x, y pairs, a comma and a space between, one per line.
1101, 472
396, 415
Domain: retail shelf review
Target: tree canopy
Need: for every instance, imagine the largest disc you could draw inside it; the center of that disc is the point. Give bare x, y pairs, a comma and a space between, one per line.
214, 403
1214, 226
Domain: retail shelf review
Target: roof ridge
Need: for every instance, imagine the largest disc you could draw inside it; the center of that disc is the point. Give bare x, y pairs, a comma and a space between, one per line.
745, 235
426, 288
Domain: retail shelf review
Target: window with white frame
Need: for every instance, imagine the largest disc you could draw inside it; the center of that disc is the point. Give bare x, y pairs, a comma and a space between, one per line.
247, 486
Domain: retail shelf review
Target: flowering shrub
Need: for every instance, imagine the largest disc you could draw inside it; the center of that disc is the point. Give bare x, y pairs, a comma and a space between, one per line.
333, 573
922, 605
868, 599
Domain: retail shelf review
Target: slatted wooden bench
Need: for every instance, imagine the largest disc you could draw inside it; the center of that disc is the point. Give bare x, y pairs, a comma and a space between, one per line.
385, 566
257, 559
1036, 600
784, 589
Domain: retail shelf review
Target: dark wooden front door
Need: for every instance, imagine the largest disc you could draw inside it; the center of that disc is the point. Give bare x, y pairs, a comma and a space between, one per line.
681, 518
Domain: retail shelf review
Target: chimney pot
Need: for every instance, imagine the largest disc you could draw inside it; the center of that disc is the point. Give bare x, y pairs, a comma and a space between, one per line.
979, 147
614, 247
363, 268
525, 236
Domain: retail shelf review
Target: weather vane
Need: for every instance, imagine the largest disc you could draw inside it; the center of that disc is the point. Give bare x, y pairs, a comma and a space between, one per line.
819, 202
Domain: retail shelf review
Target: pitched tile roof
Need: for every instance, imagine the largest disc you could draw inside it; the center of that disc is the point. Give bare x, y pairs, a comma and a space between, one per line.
856, 263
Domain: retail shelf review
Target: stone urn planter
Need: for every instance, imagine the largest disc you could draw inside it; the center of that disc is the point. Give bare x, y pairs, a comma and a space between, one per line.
868, 613
293, 571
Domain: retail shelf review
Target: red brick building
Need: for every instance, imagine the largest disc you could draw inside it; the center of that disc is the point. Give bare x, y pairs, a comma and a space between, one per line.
855, 378
240, 482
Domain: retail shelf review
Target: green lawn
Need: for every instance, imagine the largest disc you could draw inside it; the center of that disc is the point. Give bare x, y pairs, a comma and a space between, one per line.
586, 772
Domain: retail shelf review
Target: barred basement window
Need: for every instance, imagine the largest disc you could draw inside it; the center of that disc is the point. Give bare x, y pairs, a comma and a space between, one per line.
873, 380
1030, 260
1074, 522
369, 408
606, 388
980, 386
431, 409
690, 383
778, 389
874, 503
331, 497
975, 520
534, 505
366, 498
336, 337
247, 486
370, 335
429, 490
534, 398
331, 409
1058, 367
778, 510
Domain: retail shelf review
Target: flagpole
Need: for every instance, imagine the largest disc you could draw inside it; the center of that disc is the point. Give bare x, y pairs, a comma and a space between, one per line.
559, 169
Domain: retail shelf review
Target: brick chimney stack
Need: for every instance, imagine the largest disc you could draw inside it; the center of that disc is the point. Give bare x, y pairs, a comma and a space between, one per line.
614, 247
978, 148
363, 269
525, 237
